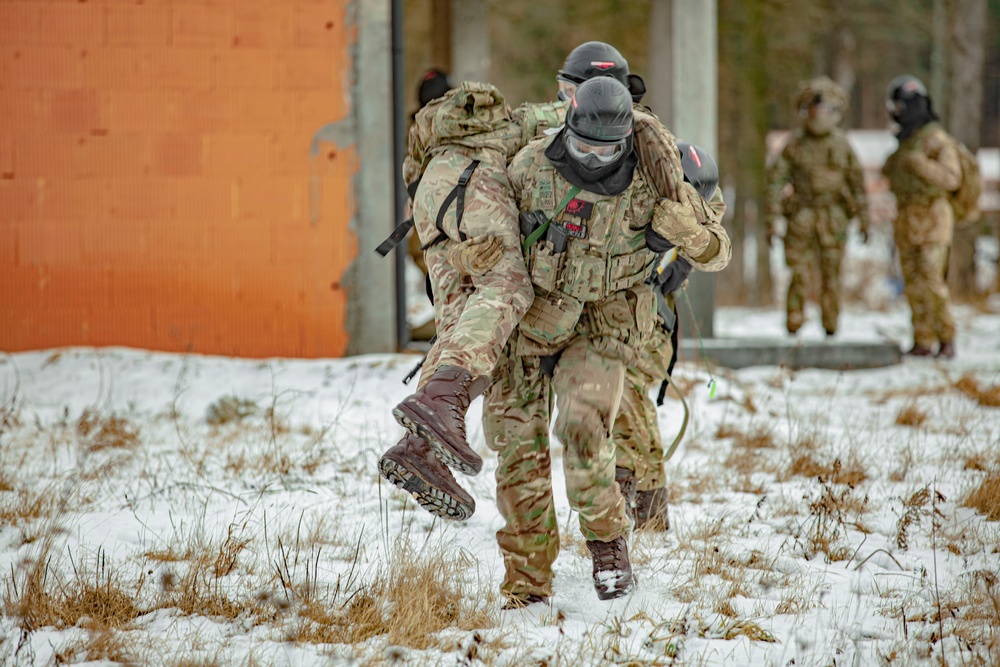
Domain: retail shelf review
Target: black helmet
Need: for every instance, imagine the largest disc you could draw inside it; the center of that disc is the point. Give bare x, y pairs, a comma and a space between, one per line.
905, 92
699, 168
433, 84
601, 111
592, 59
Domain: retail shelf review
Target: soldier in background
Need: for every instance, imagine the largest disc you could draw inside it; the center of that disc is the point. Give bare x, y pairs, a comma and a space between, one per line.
826, 191
921, 173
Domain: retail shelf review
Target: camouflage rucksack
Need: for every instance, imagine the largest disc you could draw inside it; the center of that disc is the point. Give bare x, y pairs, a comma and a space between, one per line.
473, 118
965, 200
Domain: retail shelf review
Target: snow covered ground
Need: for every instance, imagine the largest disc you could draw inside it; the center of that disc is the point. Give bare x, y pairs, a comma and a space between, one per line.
228, 511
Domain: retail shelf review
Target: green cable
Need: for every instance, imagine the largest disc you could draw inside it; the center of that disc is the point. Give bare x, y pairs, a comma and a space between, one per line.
701, 344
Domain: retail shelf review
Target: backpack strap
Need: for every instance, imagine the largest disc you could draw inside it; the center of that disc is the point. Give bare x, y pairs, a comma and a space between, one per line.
402, 229
457, 195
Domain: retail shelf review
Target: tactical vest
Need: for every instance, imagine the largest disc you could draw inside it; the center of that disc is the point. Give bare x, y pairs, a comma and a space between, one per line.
818, 170
909, 188
592, 253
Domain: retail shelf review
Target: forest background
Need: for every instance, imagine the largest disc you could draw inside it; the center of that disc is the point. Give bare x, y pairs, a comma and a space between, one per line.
765, 47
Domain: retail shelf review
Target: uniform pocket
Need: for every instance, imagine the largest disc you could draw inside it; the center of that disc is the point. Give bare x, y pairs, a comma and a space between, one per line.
552, 318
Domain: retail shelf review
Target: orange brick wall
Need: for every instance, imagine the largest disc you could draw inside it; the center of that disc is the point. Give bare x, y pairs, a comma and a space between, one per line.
156, 184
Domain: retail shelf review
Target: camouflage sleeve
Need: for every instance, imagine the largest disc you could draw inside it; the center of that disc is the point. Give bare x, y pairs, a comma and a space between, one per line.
857, 203
658, 156
720, 249
518, 170
778, 176
413, 162
938, 163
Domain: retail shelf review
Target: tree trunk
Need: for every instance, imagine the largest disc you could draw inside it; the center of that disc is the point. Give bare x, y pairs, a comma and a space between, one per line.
964, 118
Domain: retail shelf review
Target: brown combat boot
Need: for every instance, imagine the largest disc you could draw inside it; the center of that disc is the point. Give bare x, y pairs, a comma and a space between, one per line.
947, 350
612, 569
436, 413
651, 510
414, 467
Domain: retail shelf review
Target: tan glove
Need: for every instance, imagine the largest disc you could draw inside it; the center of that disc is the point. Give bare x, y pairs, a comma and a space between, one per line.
476, 256
679, 222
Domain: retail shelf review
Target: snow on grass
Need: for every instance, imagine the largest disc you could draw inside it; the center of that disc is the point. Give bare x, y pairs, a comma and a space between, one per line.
187, 510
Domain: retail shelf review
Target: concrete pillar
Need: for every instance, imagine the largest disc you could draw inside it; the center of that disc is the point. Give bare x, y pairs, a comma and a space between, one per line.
470, 41
370, 280
693, 117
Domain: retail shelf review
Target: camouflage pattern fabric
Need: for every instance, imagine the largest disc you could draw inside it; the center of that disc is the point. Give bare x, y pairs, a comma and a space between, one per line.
601, 271
827, 190
636, 432
926, 291
474, 314
921, 172
586, 388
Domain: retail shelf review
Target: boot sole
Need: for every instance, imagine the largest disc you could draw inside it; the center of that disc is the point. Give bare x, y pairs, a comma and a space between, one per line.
432, 499
413, 422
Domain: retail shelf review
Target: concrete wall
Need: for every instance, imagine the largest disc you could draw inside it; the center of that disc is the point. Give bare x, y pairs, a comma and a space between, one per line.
160, 182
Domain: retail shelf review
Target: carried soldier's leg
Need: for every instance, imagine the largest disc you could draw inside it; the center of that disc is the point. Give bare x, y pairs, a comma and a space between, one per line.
467, 352
935, 259
516, 413
588, 388
411, 464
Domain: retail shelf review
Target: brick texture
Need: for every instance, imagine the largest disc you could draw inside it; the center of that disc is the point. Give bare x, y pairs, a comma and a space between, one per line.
156, 183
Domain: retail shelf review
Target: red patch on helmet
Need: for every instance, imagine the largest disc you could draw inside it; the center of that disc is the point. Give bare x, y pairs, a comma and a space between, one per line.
911, 85
694, 156
602, 64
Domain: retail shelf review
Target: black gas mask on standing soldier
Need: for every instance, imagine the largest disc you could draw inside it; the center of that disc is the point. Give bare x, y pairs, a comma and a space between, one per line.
594, 148
909, 105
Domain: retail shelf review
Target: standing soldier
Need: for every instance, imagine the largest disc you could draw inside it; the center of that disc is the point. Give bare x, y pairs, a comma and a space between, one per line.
585, 209
640, 468
827, 190
921, 173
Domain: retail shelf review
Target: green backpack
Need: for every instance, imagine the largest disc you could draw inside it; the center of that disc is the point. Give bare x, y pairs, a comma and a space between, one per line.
965, 200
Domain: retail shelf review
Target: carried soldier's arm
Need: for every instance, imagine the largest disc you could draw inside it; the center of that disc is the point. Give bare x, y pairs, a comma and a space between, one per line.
682, 216
938, 163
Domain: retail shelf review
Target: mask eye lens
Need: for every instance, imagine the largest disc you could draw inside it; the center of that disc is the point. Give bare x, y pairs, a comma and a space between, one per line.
895, 106
566, 90
587, 152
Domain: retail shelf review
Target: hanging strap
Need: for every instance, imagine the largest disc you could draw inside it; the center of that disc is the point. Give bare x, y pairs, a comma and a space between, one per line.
457, 193
401, 230
542, 228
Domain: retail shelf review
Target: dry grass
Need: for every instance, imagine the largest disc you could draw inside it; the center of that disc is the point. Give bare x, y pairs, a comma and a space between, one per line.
95, 598
985, 497
99, 432
987, 397
230, 410
806, 465
911, 415
921, 503
830, 517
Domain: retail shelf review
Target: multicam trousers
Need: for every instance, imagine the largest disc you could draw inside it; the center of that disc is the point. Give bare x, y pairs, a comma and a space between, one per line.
815, 237
586, 387
636, 433
924, 268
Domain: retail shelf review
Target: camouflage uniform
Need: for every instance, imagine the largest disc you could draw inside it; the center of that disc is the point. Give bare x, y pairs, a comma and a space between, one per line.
592, 310
474, 314
636, 433
921, 172
827, 190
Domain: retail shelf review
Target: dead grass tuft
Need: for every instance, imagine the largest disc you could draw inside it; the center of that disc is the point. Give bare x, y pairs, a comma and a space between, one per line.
805, 465
829, 520
985, 497
27, 504
988, 397
229, 410
911, 415
915, 508
106, 432
96, 599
